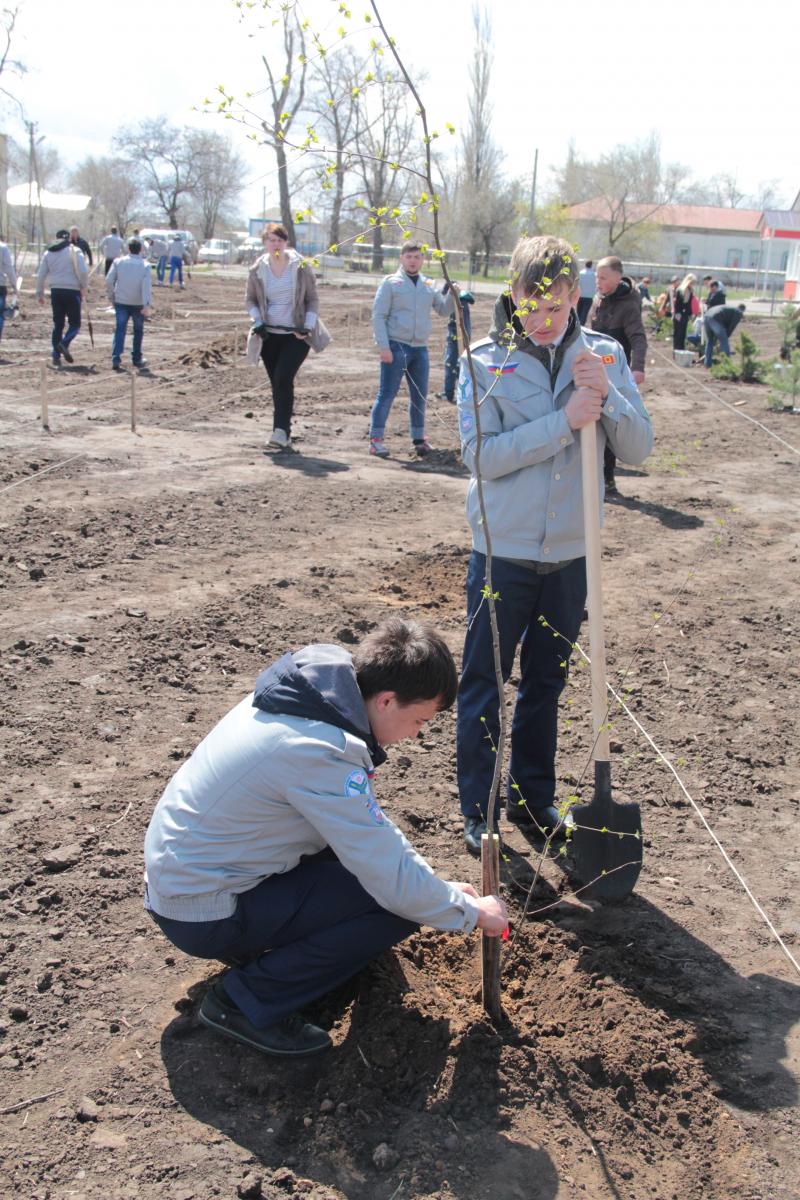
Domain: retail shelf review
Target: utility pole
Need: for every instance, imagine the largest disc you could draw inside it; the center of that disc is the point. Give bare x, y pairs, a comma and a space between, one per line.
532, 214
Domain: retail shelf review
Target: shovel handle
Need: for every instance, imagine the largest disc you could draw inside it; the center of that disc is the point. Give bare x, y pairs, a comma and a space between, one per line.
594, 589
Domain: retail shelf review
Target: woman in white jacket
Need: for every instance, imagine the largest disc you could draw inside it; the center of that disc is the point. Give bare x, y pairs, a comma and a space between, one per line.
282, 301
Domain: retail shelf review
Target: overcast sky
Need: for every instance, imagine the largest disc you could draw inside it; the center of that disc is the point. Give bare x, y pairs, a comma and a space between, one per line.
718, 82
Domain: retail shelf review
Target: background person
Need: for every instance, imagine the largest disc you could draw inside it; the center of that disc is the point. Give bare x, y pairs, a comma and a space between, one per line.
158, 249
283, 302
128, 285
175, 253
81, 243
587, 281
111, 247
8, 282
64, 265
684, 306
401, 322
720, 323
451, 351
558, 377
269, 850
617, 312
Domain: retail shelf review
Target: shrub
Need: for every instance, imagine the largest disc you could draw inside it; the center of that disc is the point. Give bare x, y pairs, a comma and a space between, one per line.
744, 366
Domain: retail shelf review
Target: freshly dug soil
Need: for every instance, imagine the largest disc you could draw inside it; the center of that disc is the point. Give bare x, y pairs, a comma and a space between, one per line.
649, 1049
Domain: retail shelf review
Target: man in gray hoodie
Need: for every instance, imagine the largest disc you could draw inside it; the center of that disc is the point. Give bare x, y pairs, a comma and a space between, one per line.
64, 265
269, 850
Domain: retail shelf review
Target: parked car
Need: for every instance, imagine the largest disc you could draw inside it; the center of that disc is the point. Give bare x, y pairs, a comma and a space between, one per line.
216, 250
249, 250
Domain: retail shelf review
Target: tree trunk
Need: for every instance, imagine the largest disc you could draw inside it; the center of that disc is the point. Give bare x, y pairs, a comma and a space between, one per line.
377, 248
283, 189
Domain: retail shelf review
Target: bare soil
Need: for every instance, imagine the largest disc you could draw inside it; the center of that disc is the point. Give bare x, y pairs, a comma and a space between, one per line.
650, 1049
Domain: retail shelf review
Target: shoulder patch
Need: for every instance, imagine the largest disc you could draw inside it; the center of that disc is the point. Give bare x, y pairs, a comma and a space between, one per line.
358, 786
609, 358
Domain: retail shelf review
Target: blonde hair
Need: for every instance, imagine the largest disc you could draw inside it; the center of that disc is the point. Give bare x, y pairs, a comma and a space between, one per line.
686, 284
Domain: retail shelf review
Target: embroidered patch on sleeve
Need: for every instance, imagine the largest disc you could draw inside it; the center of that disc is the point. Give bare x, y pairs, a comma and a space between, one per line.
609, 358
357, 785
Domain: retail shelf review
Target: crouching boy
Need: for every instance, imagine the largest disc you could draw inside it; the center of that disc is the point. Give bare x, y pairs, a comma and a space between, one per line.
269, 851
540, 378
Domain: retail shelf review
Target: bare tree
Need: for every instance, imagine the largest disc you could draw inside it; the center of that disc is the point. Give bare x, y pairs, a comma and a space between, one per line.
220, 175
9, 66
386, 138
161, 155
114, 189
286, 89
333, 106
630, 184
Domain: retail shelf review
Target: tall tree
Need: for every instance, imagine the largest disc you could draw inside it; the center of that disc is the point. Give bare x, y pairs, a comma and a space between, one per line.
9, 66
286, 87
387, 137
220, 173
114, 189
161, 155
333, 106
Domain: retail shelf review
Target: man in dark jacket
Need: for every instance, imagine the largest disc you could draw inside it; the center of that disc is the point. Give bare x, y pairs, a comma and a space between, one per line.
617, 312
716, 295
81, 243
720, 323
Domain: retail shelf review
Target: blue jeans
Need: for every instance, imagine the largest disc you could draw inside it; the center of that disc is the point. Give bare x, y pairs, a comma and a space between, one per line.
524, 596
411, 361
66, 304
3, 294
175, 264
715, 330
293, 937
161, 268
124, 313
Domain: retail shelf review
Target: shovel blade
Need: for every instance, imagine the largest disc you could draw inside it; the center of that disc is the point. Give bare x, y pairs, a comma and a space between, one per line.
607, 843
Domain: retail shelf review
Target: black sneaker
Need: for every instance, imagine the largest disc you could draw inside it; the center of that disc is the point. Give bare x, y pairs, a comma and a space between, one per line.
115, 366
290, 1038
62, 349
540, 822
421, 447
611, 488
141, 364
474, 829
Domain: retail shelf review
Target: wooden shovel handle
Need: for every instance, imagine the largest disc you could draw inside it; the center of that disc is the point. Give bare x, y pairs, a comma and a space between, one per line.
594, 588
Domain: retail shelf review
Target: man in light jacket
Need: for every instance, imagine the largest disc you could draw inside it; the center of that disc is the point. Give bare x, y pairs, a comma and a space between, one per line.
8, 282
128, 285
65, 267
270, 852
111, 247
401, 321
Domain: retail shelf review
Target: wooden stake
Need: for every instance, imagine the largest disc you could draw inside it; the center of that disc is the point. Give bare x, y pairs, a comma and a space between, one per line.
43, 389
235, 344
490, 946
133, 403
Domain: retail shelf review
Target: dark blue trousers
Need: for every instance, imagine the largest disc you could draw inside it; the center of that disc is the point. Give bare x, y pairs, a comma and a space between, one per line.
66, 304
524, 596
294, 937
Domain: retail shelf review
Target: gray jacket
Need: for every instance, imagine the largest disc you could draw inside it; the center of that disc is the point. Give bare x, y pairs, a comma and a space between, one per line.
64, 268
269, 785
401, 311
530, 458
112, 246
128, 281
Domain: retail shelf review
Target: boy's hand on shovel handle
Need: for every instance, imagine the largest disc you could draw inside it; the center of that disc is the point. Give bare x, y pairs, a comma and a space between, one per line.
588, 371
583, 407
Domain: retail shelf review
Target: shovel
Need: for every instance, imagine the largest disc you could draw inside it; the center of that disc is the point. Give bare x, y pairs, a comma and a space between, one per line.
607, 842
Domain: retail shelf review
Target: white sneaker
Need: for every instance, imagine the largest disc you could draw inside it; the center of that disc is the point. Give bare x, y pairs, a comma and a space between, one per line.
278, 437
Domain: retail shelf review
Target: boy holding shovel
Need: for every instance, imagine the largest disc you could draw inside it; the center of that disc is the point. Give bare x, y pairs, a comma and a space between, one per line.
541, 378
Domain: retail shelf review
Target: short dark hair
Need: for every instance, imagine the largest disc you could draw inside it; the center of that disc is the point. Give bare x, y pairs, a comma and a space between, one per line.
134, 245
407, 658
276, 228
589, 262
612, 262
113, 229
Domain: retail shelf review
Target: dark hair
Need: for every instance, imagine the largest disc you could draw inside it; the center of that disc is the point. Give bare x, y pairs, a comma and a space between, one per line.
134, 245
409, 659
589, 262
276, 228
114, 229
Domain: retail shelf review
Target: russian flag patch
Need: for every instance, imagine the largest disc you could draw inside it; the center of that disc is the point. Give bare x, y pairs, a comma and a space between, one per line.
506, 368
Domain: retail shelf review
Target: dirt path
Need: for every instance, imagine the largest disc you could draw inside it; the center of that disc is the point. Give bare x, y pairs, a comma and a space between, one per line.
651, 1050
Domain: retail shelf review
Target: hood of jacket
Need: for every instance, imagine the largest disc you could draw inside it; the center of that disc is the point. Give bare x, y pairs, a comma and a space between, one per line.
318, 683
60, 245
623, 289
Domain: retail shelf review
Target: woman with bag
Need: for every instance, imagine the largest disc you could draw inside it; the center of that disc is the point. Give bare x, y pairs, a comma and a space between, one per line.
282, 301
685, 304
